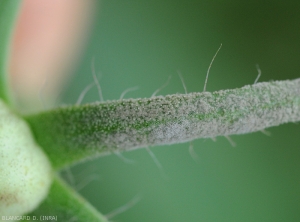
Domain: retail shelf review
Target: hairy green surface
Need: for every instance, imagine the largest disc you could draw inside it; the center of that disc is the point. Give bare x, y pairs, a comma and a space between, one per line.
8, 12
72, 133
64, 204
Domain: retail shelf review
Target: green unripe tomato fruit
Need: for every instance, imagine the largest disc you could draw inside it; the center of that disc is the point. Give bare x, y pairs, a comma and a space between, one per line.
25, 171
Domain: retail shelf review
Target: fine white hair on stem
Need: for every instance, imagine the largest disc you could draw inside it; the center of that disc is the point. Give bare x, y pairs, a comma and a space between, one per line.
153, 157
70, 176
232, 143
85, 176
192, 152
80, 176
96, 80
267, 133
86, 181
125, 160
207, 73
125, 207
259, 74
83, 93
156, 161
128, 90
182, 81
213, 139
163, 86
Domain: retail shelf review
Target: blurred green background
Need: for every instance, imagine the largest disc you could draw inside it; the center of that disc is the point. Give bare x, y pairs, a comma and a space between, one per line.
141, 43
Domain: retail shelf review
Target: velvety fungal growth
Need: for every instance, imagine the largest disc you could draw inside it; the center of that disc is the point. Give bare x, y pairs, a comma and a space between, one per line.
25, 171
78, 131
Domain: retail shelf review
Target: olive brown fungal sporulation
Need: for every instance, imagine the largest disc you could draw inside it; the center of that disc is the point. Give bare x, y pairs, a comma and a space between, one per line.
25, 171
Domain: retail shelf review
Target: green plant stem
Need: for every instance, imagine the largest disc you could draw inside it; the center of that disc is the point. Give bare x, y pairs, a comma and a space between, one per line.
72, 133
66, 205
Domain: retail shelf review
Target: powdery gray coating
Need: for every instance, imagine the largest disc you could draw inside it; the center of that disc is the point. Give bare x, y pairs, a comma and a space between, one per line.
179, 118
132, 123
